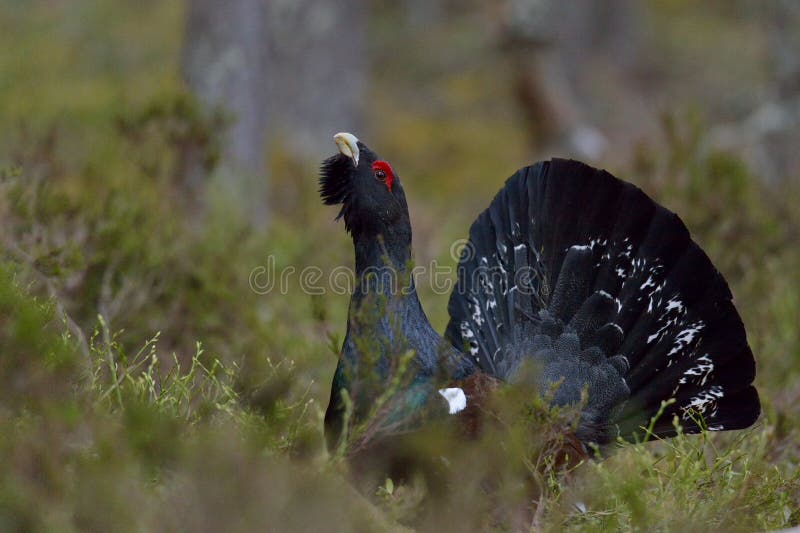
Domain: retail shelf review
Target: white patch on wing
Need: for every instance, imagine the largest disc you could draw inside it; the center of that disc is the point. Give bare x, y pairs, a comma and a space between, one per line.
456, 399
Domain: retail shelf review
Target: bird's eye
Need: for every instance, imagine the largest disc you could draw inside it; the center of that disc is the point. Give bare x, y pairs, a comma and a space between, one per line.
383, 173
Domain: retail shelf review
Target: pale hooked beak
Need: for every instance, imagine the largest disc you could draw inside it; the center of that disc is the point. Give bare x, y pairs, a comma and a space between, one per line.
348, 145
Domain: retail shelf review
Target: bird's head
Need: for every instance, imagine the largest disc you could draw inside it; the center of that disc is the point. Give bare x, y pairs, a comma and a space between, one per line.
367, 187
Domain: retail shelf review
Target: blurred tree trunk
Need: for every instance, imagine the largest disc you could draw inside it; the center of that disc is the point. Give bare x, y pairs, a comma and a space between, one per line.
550, 44
781, 138
224, 65
769, 135
318, 55
288, 73
424, 13
783, 33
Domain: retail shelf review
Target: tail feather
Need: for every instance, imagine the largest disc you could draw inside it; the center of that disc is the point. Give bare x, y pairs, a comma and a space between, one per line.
569, 262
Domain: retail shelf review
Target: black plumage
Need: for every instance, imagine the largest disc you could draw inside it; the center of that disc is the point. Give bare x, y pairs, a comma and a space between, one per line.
385, 319
570, 269
616, 296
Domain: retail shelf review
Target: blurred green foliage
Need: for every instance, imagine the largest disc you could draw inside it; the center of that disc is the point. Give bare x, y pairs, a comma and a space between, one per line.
144, 385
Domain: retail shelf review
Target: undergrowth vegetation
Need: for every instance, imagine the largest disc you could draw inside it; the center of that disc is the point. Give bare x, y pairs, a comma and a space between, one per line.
144, 384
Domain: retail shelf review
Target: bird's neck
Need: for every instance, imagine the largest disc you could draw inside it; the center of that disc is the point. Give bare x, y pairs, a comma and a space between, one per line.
383, 263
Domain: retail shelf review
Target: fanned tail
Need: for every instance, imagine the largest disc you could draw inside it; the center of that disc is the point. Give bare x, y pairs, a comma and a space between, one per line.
583, 274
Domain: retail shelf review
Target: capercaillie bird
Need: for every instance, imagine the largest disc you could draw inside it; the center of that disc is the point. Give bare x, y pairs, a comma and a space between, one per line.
569, 268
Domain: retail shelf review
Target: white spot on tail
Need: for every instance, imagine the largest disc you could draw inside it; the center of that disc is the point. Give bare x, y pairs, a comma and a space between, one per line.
703, 369
657, 334
702, 401
685, 337
674, 303
456, 399
466, 333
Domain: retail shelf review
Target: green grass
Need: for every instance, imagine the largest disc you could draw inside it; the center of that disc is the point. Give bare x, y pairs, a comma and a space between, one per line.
145, 386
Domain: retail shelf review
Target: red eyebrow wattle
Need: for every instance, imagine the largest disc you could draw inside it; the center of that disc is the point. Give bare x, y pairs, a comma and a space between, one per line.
387, 169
